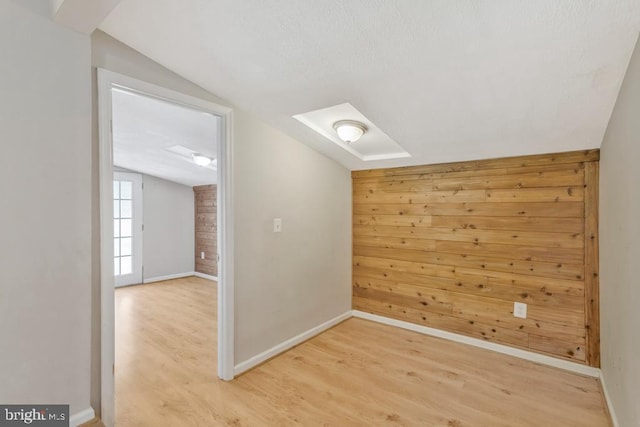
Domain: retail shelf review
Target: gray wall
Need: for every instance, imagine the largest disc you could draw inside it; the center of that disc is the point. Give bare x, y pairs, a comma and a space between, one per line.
169, 228
45, 183
285, 283
620, 249
168, 215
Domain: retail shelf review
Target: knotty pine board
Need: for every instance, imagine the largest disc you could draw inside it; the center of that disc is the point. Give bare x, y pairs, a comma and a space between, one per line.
206, 233
453, 246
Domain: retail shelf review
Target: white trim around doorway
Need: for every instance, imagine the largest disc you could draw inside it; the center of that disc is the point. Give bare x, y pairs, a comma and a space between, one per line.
108, 80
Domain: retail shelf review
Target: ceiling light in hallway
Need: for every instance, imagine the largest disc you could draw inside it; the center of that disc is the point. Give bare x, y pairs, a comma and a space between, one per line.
201, 160
349, 130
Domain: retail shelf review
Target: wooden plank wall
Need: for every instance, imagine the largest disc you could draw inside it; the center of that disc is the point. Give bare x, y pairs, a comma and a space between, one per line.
452, 246
206, 229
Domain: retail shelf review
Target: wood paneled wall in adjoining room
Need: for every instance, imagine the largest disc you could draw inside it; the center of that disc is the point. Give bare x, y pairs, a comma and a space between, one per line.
453, 246
206, 229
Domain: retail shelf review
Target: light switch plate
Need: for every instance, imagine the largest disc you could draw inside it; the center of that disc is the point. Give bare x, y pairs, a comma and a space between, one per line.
277, 225
202, 255
520, 310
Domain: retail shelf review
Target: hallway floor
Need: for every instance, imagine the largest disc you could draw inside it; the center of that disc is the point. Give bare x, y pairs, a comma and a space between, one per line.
358, 373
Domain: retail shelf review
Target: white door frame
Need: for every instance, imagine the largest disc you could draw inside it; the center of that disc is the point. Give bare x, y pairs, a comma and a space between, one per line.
108, 80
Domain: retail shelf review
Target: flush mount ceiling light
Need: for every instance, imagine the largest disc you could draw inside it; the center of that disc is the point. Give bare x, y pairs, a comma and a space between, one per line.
201, 160
328, 123
349, 130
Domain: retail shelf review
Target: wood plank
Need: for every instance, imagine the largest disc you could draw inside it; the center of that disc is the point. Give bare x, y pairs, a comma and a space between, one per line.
205, 200
207, 209
555, 225
545, 269
543, 239
422, 197
557, 347
546, 168
395, 265
547, 285
417, 303
591, 262
526, 253
564, 316
547, 194
472, 174
399, 276
206, 227
395, 243
203, 217
544, 284
430, 176
398, 220
207, 262
207, 236
562, 178
570, 272
518, 209
471, 285
393, 186
505, 162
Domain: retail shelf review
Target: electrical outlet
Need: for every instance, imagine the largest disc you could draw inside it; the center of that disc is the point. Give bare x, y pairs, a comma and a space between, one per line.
520, 310
202, 255
277, 225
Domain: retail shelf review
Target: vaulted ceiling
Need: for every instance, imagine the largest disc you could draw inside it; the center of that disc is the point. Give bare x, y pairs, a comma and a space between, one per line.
447, 80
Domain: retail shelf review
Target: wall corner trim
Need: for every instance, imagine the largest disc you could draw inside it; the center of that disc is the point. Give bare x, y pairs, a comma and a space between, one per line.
169, 277
82, 417
607, 400
290, 343
205, 276
511, 351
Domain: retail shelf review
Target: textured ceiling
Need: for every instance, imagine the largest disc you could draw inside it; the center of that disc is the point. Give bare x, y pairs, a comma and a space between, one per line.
447, 80
144, 129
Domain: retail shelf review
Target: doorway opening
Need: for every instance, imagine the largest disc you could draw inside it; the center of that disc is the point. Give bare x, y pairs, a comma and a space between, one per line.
134, 153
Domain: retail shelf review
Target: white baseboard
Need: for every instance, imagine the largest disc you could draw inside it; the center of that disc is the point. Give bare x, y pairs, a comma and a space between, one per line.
169, 277
81, 417
499, 348
607, 398
205, 276
522, 354
286, 345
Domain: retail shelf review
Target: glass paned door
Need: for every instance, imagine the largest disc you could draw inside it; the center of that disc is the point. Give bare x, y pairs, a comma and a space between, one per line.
127, 228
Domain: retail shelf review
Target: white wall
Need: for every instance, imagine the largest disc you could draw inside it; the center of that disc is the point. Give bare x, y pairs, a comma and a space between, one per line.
285, 283
620, 250
45, 185
288, 282
169, 228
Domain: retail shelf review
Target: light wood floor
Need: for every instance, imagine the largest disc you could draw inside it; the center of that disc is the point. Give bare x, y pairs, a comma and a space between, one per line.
359, 373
